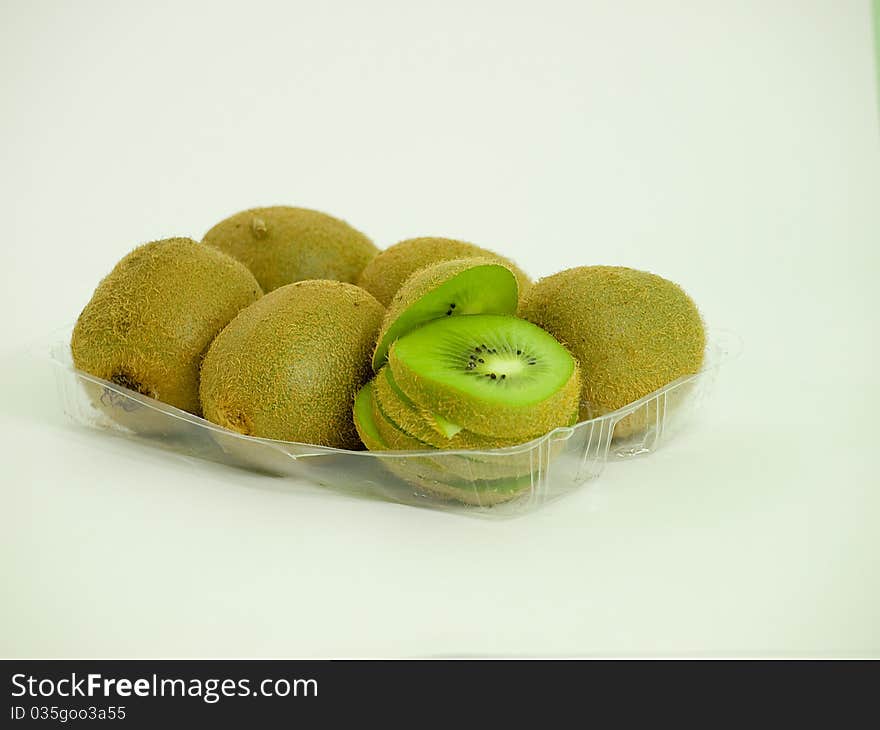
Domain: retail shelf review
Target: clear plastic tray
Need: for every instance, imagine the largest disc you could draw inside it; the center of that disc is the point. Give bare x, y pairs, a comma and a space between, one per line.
497, 483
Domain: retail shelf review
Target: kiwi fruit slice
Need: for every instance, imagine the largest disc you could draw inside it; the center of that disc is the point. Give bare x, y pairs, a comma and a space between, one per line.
631, 331
391, 433
151, 320
363, 420
273, 371
447, 289
495, 375
422, 424
478, 492
385, 274
460, 470
282, 245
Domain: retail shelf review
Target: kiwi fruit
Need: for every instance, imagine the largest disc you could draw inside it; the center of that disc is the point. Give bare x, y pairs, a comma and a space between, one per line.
495, 375
151, 320
364, 422
385, 274
282, 245
275, 372
476, 492
460, 472
631, 331
447, 289
422, 424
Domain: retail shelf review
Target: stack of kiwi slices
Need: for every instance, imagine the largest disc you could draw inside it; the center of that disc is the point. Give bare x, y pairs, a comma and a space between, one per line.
455, 369
289, 324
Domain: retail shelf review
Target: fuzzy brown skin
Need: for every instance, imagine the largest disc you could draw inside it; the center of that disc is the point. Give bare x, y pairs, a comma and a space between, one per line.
151, 320
631, 332
289, 366
386, 273
282, 245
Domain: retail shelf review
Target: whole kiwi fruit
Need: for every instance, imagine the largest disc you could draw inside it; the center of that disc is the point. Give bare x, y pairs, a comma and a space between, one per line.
283, 244
631, 331
385, 274
151, 320
289, 366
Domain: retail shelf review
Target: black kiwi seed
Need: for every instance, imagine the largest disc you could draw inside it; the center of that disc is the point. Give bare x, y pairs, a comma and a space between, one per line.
448, 312
492, 375
479, 359
452, 306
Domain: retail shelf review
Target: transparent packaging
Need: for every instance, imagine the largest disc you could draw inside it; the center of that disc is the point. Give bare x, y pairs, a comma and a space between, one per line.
494, 483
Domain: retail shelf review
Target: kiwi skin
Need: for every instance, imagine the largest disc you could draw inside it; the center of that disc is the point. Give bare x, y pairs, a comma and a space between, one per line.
274, 371
386, 273
631, 331
460, 474
282, 245
151, 320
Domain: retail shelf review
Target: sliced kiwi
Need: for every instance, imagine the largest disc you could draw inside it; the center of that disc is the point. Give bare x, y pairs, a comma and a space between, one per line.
391, 432
447, 289
495, 375
459, 471
387, 272
364, 421
422, 424
480, 493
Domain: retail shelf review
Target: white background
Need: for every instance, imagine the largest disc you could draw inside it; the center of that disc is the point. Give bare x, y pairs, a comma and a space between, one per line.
730, 146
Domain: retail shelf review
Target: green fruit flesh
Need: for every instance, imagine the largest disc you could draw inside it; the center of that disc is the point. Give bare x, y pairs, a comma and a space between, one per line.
364, 422
421, 423
387, 272
494, 375
447, 289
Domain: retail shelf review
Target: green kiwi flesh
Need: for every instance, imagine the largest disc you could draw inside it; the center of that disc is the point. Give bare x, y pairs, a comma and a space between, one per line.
386, 273
447, 289
420, 423
364, 421
495, 375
